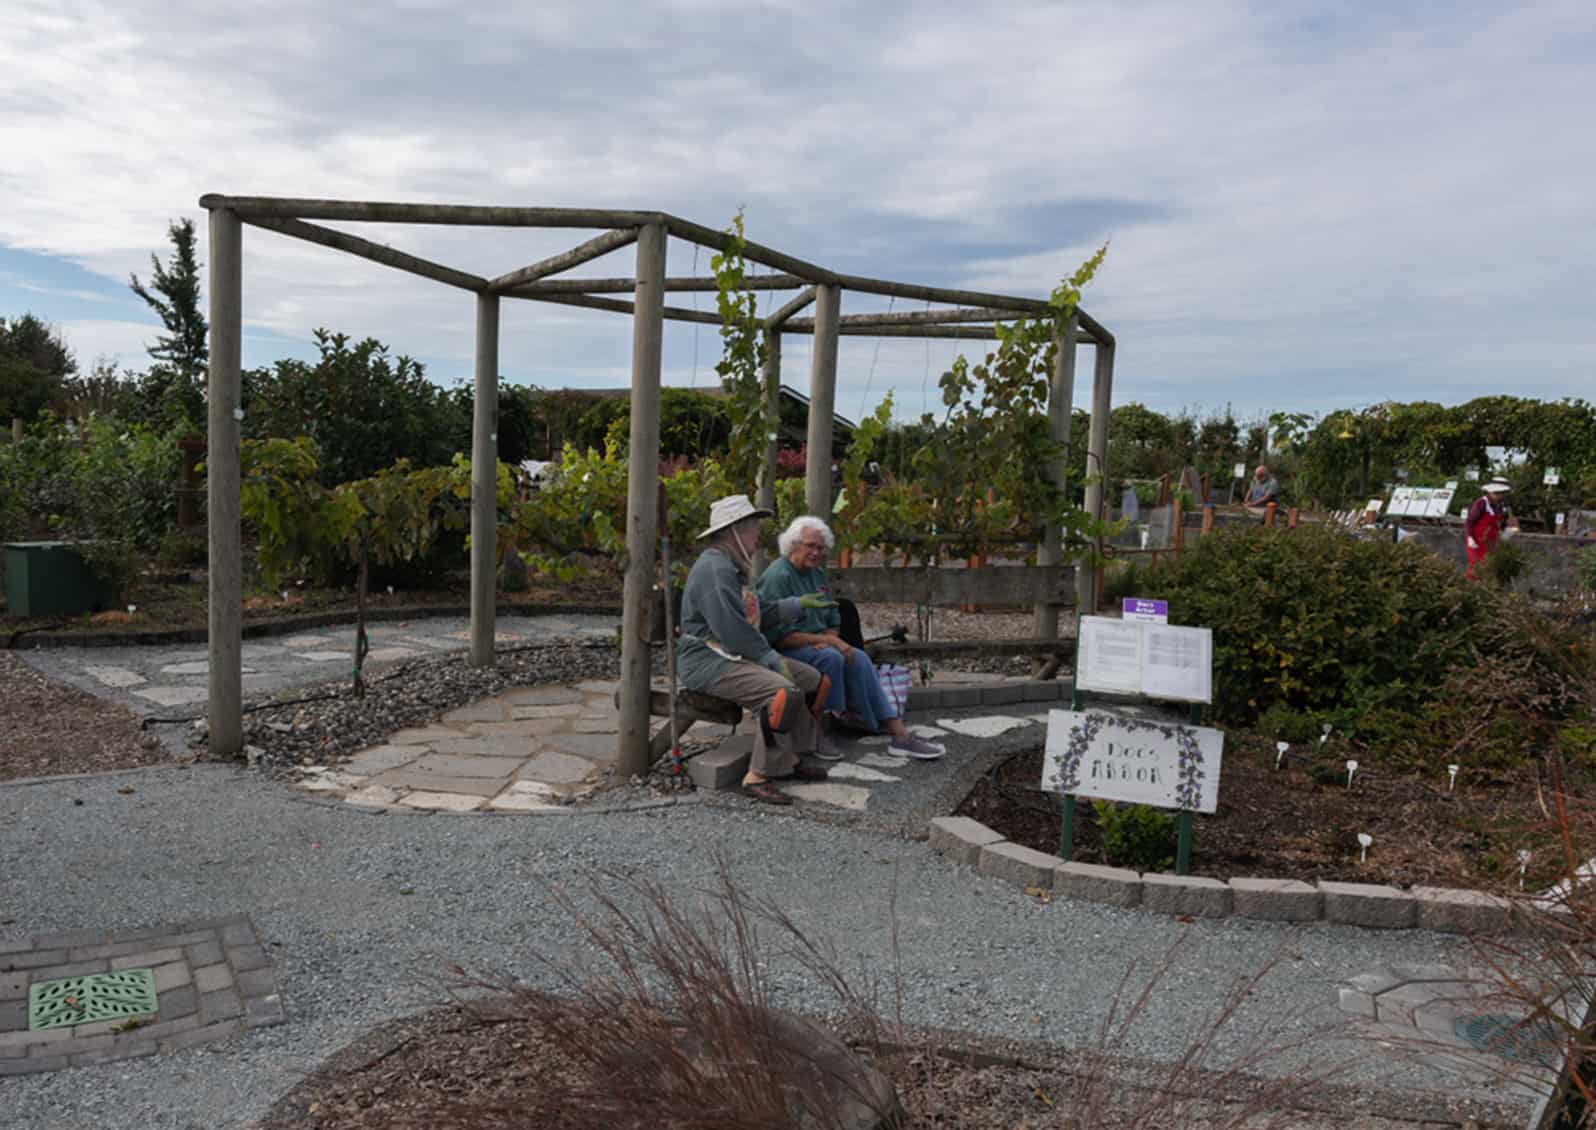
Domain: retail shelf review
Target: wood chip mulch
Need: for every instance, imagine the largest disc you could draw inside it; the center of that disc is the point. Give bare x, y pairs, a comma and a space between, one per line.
48, 729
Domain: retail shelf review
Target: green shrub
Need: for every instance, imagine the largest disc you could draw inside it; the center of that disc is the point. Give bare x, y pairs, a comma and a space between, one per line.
1505, 564
1287, 724
1136, 835
1320, 622
1386, 642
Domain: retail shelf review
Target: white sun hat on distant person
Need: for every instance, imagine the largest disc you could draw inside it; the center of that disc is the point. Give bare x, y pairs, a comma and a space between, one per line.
1496, 486
729, 511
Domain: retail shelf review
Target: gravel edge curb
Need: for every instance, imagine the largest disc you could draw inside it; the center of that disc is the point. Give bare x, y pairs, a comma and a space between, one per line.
287, 625
1371, 906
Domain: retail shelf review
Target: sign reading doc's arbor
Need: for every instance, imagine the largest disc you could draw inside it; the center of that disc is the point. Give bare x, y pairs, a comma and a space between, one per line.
1094, 754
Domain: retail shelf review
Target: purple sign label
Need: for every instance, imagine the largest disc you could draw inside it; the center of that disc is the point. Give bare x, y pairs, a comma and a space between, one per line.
1155, 611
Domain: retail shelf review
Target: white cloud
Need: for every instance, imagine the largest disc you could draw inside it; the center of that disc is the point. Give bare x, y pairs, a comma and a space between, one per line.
1307, 203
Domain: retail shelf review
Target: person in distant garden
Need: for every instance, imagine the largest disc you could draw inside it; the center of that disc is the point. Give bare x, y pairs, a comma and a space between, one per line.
856, 695
1483, 523
1264, 490
723, 652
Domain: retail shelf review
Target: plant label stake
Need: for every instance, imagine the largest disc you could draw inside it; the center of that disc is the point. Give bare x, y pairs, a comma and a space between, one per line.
1324, 734
1365, 841
1352, 767
1280, 752
1451, 777
1524, 855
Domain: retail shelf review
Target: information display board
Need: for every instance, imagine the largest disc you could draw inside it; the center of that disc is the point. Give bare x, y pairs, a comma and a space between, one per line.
1160, 661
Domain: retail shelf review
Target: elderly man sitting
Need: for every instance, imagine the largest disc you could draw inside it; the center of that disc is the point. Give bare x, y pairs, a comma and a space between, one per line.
722, 651
814, 641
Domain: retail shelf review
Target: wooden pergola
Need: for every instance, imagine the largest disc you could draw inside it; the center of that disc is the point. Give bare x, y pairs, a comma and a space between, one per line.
969, 315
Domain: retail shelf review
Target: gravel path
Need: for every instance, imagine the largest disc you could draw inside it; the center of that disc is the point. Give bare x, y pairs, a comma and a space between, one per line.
364, 914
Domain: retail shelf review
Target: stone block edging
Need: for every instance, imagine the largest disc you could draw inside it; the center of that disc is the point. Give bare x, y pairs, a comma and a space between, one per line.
1371, 906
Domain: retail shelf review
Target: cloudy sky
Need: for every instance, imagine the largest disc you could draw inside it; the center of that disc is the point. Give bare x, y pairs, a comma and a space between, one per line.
1308, 204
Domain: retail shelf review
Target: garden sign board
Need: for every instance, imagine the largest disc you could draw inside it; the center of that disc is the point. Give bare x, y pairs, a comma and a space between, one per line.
1095, 754
1161, 661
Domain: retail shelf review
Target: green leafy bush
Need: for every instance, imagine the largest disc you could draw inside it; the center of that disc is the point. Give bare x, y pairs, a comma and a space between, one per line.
1386, 642
109, 486
1136, 835
1505, 564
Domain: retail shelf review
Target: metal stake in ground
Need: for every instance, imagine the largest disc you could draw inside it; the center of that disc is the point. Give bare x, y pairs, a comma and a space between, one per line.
670, 625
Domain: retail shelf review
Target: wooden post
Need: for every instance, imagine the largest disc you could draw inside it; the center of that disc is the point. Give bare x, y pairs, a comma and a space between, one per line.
17, 429
642, 518
225, 704
1208, 519
1096, 469
1060, 399
1269, 514
1177, 531
822, 401
1291, 518
767, 470
485, 482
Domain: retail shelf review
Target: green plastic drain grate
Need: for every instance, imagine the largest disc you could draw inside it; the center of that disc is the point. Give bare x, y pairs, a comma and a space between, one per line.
1512, 1038
85, 1000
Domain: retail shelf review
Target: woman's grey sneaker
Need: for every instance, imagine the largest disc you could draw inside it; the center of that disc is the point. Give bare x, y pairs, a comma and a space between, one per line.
918, 748
826, 749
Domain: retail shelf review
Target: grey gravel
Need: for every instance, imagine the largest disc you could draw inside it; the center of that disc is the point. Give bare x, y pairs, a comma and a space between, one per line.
324, 885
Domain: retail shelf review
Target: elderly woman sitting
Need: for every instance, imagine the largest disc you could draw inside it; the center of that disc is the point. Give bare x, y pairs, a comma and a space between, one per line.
814, 640
722, 651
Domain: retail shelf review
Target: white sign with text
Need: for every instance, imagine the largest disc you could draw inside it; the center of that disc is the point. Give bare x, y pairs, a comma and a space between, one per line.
1140, 657
1091, 753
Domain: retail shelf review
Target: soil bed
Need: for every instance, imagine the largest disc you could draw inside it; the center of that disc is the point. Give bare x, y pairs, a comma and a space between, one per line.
47, 729
1302, 822
411, 1072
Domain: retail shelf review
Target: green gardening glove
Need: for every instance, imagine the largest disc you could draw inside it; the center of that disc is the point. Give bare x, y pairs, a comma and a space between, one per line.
816, 600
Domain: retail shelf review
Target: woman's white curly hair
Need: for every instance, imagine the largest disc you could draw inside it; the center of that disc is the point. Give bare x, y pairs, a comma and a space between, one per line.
789, 537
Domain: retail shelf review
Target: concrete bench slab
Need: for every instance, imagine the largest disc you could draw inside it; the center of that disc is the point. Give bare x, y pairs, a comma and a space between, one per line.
724, 766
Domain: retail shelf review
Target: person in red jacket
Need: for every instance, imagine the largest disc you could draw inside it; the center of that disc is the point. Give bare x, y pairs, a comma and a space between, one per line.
1484, 522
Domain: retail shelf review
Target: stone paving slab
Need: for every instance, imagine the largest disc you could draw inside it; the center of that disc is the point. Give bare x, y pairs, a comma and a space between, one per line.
213, 979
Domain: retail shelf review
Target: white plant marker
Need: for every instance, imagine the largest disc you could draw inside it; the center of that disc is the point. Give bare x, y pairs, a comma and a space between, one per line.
1352, 767
1451, 777
390, 590
1324, 733
1365, 841
1524, 855
132, 608
1280, 752
285, 594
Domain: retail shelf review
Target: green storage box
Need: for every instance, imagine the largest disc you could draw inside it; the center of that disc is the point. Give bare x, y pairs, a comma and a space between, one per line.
48, 578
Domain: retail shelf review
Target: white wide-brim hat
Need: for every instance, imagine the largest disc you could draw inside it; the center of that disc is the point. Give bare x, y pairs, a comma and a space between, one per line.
1496, 486
729, 511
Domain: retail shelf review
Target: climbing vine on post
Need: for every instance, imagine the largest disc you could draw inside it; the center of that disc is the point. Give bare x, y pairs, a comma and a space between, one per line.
742, 358
982, 479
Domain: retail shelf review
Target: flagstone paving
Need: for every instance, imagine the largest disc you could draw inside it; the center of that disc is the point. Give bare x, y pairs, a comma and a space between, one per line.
515, 752
159, 679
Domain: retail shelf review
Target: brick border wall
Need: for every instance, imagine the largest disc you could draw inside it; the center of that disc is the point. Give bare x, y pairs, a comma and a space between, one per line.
1371, 906
213, 979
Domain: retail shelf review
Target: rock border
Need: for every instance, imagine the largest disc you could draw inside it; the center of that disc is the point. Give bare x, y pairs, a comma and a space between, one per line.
1367, 905
283, 626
